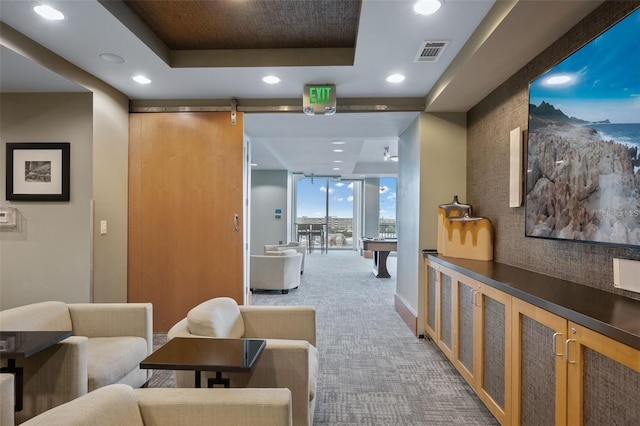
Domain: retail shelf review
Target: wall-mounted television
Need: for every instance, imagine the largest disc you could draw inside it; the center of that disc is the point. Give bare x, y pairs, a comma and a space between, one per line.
583, 179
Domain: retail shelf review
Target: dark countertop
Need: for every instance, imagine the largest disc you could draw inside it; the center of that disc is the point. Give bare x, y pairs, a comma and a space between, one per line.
610, 314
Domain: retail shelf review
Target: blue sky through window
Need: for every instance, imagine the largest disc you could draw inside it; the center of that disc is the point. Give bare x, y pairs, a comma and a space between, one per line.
311, 198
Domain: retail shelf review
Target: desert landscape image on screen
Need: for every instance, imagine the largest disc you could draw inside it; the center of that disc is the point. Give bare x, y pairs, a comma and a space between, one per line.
583, 179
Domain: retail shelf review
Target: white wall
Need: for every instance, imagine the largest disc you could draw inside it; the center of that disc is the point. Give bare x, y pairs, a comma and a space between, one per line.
408, 216
268, 193
53, 261
371, 207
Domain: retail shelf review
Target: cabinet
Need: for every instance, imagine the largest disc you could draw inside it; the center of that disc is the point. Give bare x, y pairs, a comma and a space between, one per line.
567, 374
439, 314
492, 338
528, 365
603, 379
539, 379
470, 323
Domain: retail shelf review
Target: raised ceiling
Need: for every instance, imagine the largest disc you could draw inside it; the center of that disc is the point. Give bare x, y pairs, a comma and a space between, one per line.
487, 42
251, 24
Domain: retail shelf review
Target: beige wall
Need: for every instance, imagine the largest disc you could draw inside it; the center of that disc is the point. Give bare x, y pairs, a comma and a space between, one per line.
109, 167
431, 171
110, 194
488, 166
51, 258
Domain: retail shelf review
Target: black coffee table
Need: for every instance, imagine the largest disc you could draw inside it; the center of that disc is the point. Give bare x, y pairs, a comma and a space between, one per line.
206, 354
23, 344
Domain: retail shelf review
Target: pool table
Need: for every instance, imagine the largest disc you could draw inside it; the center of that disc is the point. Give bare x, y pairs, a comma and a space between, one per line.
381, 250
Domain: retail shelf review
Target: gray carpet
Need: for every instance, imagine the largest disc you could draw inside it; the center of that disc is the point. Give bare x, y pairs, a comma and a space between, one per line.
373, 370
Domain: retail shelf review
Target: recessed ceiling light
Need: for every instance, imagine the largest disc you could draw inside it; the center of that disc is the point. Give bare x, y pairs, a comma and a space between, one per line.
111, 57
427, 7
338, 150
336, 168
48, 12
338, 142
141, 79
337, 161
395, 78
271, 79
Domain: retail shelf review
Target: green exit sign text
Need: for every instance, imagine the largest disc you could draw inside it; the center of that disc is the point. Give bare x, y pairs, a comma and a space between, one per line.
319, 94
319, 99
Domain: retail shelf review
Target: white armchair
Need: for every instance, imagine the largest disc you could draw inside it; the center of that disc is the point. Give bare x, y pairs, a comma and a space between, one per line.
8, 399
299, 247
107, 344
121, 405
277, 270
289, 359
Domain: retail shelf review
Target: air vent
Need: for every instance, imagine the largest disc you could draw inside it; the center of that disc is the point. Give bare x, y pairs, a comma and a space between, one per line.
430, 51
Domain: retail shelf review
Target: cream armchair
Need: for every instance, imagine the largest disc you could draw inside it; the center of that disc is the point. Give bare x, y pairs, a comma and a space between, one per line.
108, 342
7, 399
299, 247
121, 405
277, 270
289, 360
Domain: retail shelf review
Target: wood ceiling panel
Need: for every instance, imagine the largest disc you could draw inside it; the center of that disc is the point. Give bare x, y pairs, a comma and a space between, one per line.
251, 24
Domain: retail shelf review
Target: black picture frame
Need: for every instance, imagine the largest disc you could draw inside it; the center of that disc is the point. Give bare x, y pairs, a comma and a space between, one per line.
38, 171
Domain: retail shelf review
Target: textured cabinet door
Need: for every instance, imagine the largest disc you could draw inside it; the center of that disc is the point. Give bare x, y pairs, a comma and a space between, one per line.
539, 368
445, 311
439, 306
466, 315
603, 379
492, 328
432, 277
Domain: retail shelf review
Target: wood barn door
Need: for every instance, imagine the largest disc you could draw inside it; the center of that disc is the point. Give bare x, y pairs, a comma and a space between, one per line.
185, 211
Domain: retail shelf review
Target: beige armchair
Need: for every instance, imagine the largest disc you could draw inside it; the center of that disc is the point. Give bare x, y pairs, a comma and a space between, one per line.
108, 342
299, 247
121, 405
289, 360
276, 270
7, 399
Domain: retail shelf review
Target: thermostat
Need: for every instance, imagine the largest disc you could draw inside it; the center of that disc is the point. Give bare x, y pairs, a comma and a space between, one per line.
7, 217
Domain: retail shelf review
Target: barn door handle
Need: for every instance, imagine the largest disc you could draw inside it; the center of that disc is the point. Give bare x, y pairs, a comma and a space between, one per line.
235, 222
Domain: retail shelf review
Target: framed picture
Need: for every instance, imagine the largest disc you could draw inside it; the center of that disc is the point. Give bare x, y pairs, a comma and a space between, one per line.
38, 171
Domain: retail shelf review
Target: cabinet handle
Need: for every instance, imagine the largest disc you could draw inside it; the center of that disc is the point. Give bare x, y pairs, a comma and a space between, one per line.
235, 222
473, 297
555, 353
566, 350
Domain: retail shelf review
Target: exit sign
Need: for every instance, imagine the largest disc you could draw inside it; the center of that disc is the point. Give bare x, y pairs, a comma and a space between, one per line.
319, 99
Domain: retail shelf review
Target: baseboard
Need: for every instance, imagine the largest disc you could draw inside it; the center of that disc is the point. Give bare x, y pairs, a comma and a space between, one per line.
406, 314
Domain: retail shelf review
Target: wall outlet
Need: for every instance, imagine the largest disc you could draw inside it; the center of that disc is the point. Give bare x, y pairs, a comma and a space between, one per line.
625, 274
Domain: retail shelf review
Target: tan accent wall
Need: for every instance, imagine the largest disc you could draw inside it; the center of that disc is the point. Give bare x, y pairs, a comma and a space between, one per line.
109, 174
51, 258
431, 171
490, 122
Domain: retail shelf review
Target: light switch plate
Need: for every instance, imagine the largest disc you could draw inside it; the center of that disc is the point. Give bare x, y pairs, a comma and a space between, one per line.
103, 227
